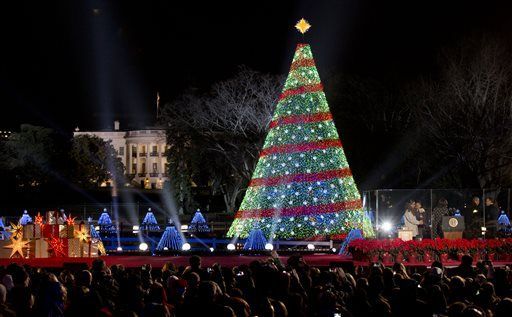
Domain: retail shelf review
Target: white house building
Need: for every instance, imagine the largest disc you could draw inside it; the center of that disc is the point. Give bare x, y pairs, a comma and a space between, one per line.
141, 151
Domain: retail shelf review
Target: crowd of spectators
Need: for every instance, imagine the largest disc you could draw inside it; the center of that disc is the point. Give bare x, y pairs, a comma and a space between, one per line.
263, 288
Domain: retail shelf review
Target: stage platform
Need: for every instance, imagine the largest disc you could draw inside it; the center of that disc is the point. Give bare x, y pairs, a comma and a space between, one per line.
159, 261
130, 261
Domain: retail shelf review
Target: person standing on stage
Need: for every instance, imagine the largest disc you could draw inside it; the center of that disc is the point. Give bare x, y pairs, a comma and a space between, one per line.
491, 217
410, 220
473, 217
421, 215
437, 217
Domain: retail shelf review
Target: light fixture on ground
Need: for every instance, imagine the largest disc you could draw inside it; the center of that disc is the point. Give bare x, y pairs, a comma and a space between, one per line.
185, 247
387, 226
119, 249
212, 249
269, 247
231, 247
311, 246
143, 246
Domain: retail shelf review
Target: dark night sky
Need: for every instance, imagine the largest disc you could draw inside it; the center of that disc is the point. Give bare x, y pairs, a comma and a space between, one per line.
64, 64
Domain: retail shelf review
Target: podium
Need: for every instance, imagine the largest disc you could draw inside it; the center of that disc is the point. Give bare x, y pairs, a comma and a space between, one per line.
405, 234
453, 227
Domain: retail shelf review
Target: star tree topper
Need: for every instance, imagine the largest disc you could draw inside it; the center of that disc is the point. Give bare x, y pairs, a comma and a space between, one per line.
302, 26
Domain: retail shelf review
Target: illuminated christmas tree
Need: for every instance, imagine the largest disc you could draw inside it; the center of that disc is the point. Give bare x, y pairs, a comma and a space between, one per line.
198, 223
25, 218
302, 185
105, 223
170, 240
149, 223
256, 240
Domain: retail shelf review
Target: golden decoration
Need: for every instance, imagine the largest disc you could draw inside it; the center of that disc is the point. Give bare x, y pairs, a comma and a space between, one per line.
17, 246
101, 248
39, 219
82, 235
302, 26
70, 220
16, 230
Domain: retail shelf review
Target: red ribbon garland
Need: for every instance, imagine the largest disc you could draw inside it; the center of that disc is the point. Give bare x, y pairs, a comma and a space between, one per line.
301, 90
302, 63
301, 118
299, 178
300, 210
301, 147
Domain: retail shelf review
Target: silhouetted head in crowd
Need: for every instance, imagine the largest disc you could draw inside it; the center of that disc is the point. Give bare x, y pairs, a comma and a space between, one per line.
195, 262
84, 278
456, 309
504, 308
193, 279
467, 260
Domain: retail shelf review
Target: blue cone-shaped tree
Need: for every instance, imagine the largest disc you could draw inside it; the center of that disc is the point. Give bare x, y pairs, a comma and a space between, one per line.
504, 223
105, 222
171, 239
198, 223
25, 218
256, 240
149, 223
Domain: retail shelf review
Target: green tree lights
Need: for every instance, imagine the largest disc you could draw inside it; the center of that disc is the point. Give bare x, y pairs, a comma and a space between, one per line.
302, 185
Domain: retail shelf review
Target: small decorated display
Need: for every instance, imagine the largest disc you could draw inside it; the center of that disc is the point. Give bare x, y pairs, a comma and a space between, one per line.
25, 218
149, 223
198, 223
170, 240
50, 238
105, 223
256, 240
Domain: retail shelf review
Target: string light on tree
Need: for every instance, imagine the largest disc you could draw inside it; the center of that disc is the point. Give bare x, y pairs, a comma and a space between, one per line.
302, 171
